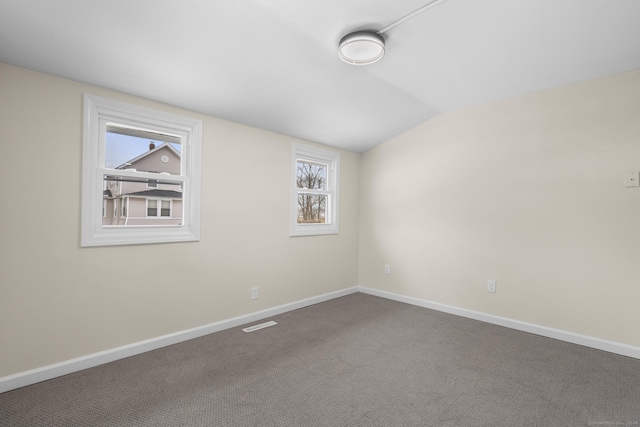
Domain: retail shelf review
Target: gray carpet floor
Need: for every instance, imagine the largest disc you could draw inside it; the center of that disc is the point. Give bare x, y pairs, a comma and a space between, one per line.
353, 361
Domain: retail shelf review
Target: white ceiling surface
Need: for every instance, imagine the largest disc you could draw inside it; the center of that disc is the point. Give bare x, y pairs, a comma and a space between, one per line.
273, 64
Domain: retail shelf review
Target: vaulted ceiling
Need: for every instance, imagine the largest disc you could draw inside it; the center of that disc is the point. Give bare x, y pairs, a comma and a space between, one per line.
273, 64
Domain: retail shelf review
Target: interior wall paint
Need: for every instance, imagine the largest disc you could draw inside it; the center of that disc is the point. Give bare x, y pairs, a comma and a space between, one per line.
59, 301
526, 191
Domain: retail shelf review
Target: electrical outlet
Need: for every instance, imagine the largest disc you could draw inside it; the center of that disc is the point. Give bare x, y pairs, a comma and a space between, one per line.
491, 286
254, 293
387, 269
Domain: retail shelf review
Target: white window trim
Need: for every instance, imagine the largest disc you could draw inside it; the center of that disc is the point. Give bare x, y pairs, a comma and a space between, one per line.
315, 154
97, 113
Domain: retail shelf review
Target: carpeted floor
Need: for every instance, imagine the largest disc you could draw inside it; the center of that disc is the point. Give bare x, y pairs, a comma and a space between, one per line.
353, 361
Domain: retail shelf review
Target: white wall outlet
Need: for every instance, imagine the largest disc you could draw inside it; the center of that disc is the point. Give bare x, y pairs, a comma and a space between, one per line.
631, 179
491, 285
254, 293
387, 269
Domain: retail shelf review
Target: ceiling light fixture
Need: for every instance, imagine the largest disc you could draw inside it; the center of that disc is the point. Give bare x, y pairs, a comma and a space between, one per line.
367, 47
361, 48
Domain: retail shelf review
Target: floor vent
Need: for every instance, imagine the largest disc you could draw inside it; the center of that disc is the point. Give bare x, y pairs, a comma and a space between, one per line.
260, 326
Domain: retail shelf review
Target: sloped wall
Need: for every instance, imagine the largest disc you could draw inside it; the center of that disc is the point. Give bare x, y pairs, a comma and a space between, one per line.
526, 191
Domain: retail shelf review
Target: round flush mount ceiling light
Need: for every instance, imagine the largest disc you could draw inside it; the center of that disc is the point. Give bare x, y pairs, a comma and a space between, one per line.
361, 48
367, 47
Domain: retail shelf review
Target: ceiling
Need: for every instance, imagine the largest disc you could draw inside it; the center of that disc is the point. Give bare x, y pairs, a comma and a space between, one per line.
273, 64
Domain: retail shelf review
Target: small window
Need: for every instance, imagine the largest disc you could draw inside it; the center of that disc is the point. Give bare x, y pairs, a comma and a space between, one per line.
124, 202
161, 208
314, 202
133, 154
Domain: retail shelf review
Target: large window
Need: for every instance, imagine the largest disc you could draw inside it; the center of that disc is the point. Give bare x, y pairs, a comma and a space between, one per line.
147, 162
314, 198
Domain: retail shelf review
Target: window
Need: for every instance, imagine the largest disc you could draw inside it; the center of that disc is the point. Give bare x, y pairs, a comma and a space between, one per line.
165, 208
125, 202
314, 196
132, 154
152, 208
161, 208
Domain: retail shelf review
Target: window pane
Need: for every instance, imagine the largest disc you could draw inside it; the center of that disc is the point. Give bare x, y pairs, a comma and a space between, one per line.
142, 151
166, 208
312, 209
152, 208
312, 176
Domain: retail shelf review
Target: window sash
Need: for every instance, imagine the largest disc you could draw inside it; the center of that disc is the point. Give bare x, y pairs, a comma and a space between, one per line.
144, 134
315, 210
326, 166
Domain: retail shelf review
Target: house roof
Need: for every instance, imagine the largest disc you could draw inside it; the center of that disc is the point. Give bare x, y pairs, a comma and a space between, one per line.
169, 194
147, 153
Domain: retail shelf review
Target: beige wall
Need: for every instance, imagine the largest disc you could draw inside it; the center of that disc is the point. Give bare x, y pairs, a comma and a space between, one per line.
59, 301
527, 191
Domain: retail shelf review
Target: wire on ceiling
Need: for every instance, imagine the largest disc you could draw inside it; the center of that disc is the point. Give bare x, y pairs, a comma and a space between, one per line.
367, 47
409, 16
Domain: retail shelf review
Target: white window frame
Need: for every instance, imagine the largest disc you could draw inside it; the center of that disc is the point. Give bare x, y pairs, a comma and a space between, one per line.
310, 153
98, 112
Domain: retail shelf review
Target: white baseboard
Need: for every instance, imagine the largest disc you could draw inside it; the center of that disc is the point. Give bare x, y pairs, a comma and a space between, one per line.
48, 372
584, 340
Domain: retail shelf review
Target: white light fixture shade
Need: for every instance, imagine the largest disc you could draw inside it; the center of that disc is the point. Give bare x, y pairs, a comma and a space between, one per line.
361, 48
